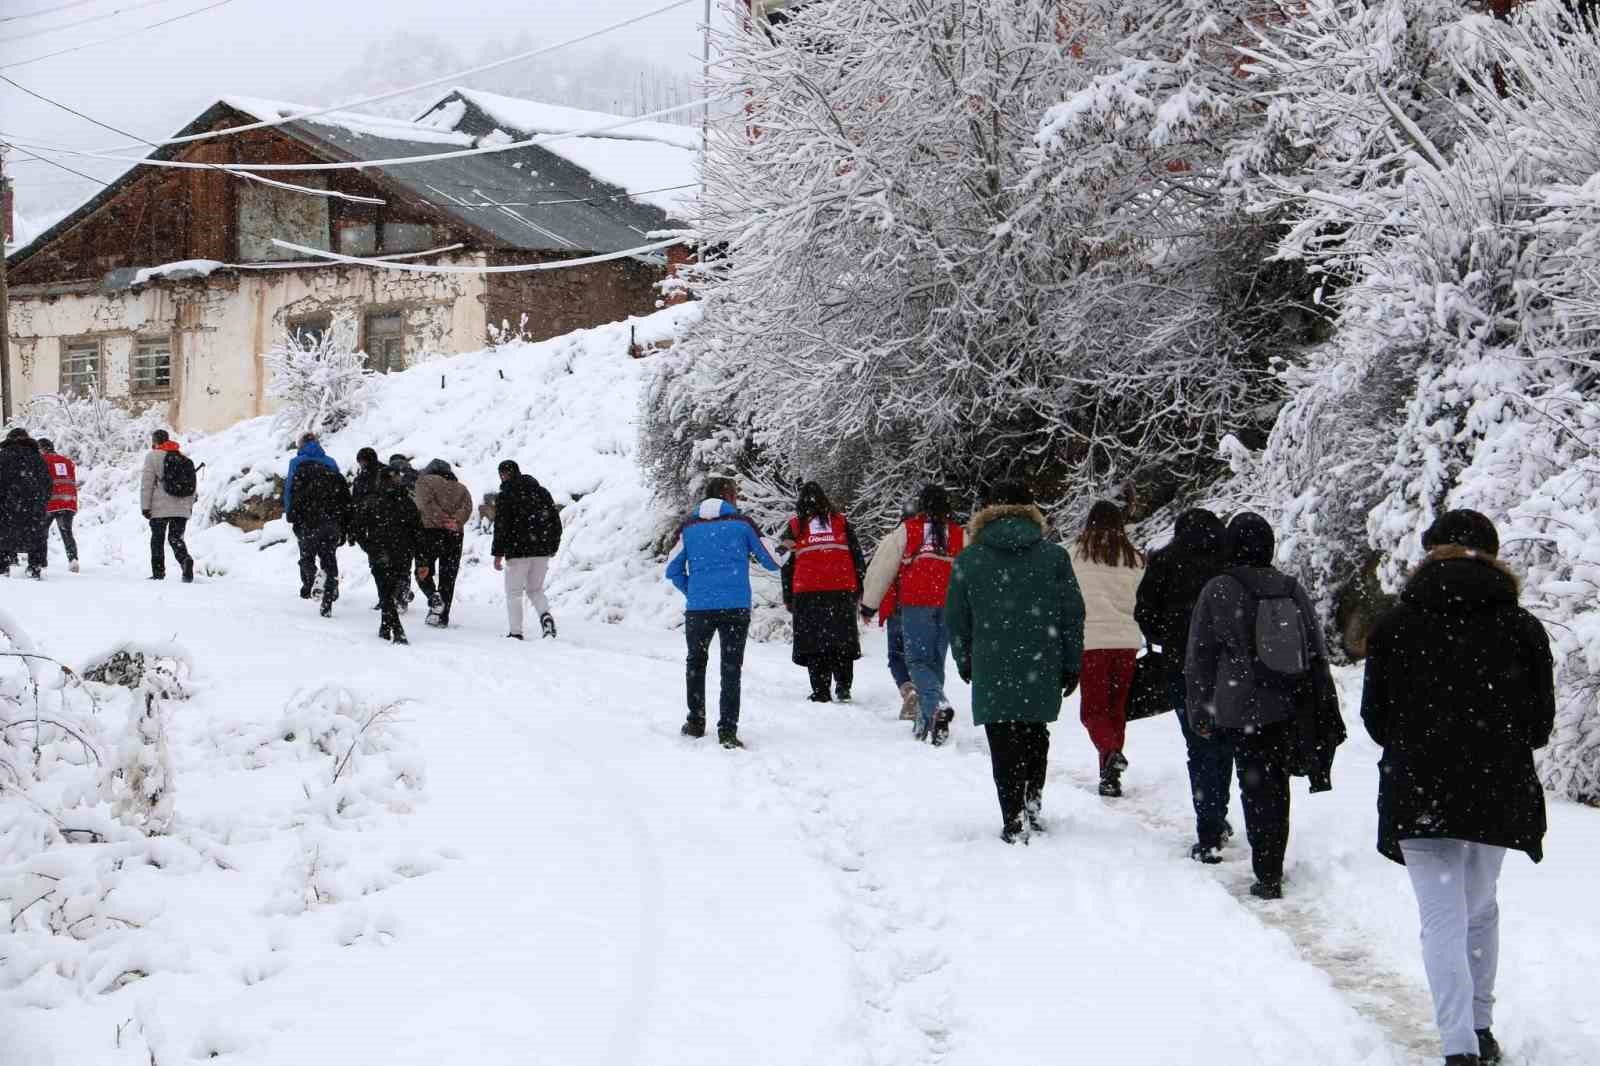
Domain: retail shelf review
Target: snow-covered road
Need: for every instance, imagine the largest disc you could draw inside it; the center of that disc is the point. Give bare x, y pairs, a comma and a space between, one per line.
577, 884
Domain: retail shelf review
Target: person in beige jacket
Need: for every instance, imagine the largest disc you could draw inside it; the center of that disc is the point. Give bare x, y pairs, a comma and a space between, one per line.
167, 513
1109, 569
445, 505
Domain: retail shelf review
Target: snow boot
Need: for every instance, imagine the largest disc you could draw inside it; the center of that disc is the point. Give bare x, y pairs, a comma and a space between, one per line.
188, 572
908, 702
820, 697
547, 626
1462, 1060
729, 741
36, 573
316, 588
513, 636
1269, 890
326, 610
305, 591
1013, 834
694, 728
434, 619
398, 636
841, 694
941, 726
72, 565
1209, 856
1031, 811
384, 633
1489, 1048
1111, 768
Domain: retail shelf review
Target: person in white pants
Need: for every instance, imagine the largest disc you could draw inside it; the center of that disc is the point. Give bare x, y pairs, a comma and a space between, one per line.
1460, 691
527, 535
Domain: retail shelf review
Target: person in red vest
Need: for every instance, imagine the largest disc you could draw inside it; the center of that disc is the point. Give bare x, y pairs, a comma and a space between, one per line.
915, 560
63, 505
821, 588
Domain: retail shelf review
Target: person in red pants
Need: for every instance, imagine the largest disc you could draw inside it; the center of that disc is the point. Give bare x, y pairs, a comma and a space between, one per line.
1109, 569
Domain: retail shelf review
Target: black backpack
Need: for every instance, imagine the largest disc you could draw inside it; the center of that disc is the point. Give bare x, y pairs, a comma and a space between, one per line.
320, 492
1281, 650
178, 476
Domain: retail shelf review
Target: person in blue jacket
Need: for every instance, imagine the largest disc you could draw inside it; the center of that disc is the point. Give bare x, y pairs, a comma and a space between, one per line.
711, 567
309, 449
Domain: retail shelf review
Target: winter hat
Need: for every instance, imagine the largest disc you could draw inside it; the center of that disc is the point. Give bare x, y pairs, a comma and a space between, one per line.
17, 434
1198, 530
1008, 494
439, 467
46, 444
399, 462
1249, 540
1467, 529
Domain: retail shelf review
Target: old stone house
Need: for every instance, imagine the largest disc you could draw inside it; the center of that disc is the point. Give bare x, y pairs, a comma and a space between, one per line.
167, 286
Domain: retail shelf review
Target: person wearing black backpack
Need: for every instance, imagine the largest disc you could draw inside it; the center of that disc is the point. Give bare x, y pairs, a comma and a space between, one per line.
167, 486
527, 535
1255, 650
318, 505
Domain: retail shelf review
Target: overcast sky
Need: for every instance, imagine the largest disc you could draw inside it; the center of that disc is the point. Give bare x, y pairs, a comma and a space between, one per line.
153, 82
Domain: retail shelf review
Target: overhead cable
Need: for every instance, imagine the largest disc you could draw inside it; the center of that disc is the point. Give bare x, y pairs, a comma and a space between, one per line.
118, 37
47, 11
434, 83
511, 268
84, 21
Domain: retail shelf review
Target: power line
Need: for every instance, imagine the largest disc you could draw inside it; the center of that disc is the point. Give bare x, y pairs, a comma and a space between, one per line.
582, 199
434, 83
324, 193
52, 162
512, 268
367, 164
84, 21
118, 37
47, 11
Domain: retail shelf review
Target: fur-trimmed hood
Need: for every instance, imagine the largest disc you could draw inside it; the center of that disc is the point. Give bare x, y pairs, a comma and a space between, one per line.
1014, 536
1455, 580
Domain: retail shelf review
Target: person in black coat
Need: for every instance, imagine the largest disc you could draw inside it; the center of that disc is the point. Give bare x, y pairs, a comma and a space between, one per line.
365, 481
319, 511
527, 535
24, 494
387, 526
827, 637
1173, 578
1459, 693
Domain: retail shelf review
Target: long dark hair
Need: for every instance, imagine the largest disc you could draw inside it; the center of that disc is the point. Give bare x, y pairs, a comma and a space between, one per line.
1104, 540
933, 503
813, 503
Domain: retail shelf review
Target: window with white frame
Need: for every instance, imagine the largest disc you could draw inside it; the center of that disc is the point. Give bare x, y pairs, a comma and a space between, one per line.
151, 369
80, 367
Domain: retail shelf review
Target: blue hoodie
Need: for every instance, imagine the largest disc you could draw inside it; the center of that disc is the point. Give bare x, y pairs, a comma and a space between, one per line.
310, 450
711, 565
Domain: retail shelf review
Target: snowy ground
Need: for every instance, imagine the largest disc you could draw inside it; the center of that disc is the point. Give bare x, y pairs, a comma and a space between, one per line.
573, 883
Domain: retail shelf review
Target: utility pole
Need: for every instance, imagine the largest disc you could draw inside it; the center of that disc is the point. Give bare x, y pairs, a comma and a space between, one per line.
5, 316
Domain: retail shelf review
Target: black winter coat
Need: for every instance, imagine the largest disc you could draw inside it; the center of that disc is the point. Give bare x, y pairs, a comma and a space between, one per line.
365, 483
1173, 580
320, 496
387, 524
24, 491
1460, 691
526, 522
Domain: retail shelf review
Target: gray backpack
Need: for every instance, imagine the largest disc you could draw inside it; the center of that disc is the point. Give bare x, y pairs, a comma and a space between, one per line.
1281, 634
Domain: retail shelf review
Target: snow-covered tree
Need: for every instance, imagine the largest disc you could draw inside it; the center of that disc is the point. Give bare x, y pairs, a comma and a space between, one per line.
901, 292
322, 383
1444, 189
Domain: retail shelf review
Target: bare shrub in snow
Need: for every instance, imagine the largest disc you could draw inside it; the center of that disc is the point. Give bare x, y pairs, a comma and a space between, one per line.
321, 382
94, 431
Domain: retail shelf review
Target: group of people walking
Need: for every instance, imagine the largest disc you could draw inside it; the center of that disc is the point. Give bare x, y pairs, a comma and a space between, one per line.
414, 524
38, 490
1459, 688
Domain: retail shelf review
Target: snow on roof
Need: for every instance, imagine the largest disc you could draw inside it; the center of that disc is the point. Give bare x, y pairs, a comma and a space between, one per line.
361, 125
637, 158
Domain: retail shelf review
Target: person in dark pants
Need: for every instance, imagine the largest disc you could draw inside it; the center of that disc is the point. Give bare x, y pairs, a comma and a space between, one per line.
445, 505
821, 589
63, 505
1015, 617
1459, 693
24, 494
711, 567
166, 499
1173, 578
386, 525
367, 472
318, 513
1240, 690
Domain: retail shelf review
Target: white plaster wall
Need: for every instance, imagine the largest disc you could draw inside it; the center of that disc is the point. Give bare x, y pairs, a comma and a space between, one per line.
224, 324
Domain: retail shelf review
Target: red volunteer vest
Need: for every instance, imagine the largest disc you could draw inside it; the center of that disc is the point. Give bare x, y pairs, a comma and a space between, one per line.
924, 569
822, 560
63, 484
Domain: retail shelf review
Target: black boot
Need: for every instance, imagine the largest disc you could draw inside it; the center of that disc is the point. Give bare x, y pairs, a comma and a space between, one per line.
941, 726
398, 636
1462, 1060
188, 572
1111, 768
547, 625
384, 632
1488, 1048
694, 727
1268, 890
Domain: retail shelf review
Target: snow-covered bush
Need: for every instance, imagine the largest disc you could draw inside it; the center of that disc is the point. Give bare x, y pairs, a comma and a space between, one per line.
93, 431
1443, 183
897, 297
320, 382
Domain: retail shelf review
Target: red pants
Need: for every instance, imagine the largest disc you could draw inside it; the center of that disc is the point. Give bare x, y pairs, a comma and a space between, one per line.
1103, 696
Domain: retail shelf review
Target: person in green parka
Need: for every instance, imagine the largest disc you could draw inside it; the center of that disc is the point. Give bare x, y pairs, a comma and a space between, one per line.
1015, 616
